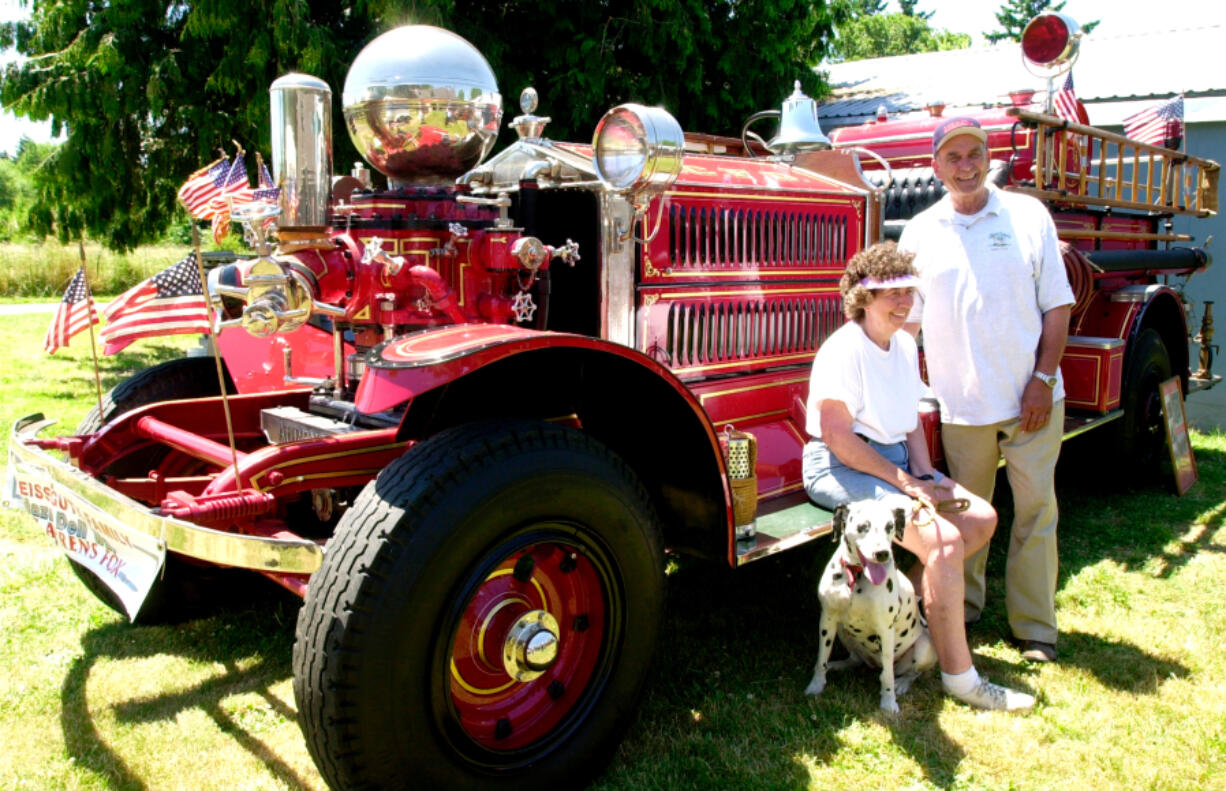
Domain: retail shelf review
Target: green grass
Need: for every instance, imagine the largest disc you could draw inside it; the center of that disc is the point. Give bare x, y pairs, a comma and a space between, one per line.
1138, 699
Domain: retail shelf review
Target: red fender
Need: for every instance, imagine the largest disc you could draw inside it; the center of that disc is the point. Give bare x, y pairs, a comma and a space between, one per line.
404, 368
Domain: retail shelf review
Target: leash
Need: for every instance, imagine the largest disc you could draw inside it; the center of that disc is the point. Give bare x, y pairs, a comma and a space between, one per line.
925, 512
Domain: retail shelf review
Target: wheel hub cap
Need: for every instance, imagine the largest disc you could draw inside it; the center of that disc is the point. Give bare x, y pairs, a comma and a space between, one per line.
531, 646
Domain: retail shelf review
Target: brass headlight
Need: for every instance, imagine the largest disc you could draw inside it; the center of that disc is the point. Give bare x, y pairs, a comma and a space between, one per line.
638, 149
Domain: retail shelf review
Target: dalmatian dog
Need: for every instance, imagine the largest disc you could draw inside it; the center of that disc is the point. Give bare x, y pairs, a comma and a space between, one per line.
868, 604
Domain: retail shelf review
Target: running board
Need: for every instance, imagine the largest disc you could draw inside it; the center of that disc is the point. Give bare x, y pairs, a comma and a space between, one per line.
783, 523
1197, 384
790, 521
1080, 424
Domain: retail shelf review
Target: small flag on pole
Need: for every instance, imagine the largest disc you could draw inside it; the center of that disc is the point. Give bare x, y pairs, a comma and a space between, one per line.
75, 313
266, 191
1150, 125
169, 303
264, 177
202, 187
1067, 105
236, 189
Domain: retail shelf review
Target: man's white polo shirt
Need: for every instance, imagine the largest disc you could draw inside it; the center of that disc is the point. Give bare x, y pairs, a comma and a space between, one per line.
988, 279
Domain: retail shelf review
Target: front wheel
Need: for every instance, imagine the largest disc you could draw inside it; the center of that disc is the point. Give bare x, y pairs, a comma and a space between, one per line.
485, 615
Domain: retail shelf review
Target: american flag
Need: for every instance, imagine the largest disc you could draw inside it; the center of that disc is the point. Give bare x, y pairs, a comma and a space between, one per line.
169, 303
1067, 105
75, 313
260, 195
266, 191
1149, 125
265, 178
236, 189
202, 187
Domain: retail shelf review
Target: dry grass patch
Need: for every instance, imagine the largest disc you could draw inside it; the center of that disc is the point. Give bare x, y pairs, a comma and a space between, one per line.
43, 270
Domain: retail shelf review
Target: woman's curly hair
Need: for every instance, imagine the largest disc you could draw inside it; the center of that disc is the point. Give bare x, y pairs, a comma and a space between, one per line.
882, 261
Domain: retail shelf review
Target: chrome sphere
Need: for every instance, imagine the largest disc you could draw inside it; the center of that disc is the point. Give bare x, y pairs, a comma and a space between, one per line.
422, 104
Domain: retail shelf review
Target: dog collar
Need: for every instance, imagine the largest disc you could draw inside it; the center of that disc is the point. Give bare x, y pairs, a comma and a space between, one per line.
851, 572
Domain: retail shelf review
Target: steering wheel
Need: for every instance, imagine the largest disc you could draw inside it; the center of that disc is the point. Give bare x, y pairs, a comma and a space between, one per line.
889, 171
746, 134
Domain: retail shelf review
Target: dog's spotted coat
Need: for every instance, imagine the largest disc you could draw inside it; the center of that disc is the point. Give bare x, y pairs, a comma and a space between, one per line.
868, 605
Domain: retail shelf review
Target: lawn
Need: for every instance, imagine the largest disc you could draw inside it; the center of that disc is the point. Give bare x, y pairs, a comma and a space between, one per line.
1138, 699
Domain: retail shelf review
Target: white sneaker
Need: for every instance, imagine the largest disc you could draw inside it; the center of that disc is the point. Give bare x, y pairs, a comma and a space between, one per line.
987, 695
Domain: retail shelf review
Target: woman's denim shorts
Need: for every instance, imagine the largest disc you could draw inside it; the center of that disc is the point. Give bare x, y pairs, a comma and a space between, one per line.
831, 483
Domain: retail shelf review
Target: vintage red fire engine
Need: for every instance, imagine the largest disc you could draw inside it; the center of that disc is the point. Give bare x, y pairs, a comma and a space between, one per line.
471, 410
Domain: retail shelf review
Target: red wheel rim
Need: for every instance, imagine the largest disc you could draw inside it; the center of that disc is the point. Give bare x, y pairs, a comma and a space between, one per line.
556, 576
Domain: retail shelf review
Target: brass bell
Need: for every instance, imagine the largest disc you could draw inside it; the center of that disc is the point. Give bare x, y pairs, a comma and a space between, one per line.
799, 129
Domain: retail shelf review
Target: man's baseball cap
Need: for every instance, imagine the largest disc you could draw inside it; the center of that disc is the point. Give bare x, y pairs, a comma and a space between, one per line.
952, 127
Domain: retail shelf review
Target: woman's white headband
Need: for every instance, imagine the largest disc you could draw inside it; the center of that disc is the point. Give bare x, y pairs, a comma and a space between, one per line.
902, 281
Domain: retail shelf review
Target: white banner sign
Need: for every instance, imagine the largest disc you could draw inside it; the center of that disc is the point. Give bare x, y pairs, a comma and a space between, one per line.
126, 561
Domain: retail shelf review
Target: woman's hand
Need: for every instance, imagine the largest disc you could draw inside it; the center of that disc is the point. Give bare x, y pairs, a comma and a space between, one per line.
931, 492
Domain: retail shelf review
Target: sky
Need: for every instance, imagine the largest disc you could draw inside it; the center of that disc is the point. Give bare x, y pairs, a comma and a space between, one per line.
1119, 17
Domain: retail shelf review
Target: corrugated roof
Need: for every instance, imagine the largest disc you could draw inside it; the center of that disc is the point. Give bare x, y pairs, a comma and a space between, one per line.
1126, 68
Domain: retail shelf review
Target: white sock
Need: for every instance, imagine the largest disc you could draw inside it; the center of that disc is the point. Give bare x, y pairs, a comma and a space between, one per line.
960, 683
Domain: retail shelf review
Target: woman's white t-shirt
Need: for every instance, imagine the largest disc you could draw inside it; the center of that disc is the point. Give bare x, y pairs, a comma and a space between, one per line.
881, 387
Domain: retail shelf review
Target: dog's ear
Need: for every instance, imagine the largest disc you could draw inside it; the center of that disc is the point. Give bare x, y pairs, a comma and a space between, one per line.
840, 521
900, 522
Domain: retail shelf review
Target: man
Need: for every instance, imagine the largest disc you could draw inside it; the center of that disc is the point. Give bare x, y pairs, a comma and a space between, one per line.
995, 312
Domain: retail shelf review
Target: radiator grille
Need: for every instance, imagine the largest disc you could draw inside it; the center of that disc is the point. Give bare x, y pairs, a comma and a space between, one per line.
749, 330
712, 237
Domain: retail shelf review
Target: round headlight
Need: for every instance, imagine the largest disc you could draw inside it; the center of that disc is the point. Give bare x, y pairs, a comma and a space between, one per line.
638, 148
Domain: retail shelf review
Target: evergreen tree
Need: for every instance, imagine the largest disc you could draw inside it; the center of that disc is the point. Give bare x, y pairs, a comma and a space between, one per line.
146, 91
863, 35
1014, 15
907, 7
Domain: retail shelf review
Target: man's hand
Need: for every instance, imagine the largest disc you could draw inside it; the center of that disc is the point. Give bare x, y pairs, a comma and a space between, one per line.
1036, 405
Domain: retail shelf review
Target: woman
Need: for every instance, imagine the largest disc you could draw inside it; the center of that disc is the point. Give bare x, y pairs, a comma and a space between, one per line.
867, 444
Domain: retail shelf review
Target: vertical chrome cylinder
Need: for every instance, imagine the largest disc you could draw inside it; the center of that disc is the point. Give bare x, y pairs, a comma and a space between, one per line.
302, 148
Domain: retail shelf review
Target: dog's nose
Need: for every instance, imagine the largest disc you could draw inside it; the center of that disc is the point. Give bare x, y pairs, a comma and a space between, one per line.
881, 555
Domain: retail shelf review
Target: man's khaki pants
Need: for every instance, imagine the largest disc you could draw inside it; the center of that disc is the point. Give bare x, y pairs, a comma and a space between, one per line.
972, 453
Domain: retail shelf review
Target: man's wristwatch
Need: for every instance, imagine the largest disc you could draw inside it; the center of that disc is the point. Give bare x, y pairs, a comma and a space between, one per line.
1047, 379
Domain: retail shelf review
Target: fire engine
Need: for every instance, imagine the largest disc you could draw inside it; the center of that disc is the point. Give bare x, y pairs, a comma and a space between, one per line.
464, 415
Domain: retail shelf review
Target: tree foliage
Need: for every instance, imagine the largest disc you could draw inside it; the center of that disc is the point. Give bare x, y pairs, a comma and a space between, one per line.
146, 91
17, 185
907, 7
1014, 14
868, 33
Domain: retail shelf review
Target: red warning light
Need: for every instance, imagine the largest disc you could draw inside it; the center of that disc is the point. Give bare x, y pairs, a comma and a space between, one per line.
1048, 38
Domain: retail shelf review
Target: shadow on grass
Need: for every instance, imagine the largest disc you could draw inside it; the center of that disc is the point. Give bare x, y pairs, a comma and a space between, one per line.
726, 707
1139, 524
253, 645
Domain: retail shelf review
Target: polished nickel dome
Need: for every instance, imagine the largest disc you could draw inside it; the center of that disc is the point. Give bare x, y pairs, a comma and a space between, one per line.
421, 104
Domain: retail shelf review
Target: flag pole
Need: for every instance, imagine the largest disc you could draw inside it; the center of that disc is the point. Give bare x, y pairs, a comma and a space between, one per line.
93, 346
221, 377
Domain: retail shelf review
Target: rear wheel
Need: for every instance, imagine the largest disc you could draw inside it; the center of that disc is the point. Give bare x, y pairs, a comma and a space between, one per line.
1141, 435
185, 589
487, 608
